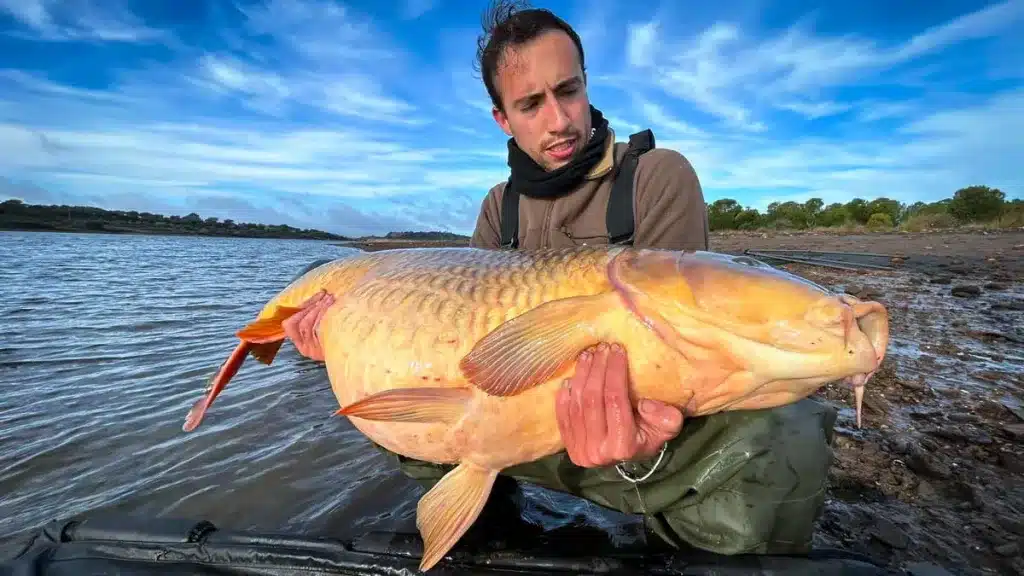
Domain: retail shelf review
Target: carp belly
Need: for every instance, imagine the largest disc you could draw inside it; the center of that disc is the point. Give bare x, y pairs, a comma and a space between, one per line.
410, 331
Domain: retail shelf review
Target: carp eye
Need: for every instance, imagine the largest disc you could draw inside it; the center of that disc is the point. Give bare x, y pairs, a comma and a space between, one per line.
827, 313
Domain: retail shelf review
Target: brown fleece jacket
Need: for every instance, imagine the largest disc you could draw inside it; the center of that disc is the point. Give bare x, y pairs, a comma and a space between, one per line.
668, 207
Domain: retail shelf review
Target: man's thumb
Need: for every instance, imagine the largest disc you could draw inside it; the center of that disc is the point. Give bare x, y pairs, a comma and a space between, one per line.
660, 417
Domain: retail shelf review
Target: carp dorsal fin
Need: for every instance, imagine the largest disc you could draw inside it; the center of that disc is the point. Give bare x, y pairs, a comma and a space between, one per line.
534, 346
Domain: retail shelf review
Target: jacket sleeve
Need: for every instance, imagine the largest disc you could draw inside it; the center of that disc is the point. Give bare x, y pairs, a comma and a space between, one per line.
670, 208
487, 233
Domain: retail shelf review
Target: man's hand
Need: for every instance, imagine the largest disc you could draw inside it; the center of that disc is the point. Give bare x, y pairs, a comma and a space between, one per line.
597, 421
302, 326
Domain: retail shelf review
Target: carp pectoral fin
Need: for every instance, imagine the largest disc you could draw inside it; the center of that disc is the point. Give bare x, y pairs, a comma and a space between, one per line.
445, 512
531, 348
411, 405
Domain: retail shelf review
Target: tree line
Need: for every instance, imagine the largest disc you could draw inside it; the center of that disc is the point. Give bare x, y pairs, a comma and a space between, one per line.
973, 205
16, 215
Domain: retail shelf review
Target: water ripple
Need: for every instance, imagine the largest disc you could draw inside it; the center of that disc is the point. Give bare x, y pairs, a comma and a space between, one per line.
106, 343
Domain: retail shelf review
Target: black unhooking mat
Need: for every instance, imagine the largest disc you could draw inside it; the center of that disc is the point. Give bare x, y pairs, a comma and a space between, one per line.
145, 546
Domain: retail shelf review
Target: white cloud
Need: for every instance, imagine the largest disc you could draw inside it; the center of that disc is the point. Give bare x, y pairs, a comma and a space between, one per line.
70, 20
412, 9
730, 75
311, 113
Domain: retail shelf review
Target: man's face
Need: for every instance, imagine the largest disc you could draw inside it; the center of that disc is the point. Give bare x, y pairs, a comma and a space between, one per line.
544, 93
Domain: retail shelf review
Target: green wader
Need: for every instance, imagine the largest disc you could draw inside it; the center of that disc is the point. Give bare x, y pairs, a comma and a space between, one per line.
749, 481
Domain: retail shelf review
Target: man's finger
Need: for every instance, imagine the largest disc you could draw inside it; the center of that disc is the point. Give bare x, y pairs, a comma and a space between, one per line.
592, 398
577, 383
622, 431
562, 416
658, 424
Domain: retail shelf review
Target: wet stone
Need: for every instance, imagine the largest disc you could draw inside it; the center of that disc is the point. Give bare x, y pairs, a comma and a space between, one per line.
1007, 550
900, 446
1012, 462
926, 491
1014, 431
965, 291
1012, 525
927, 465
1015, 410
926, 569
1010, 304
966, 418
915, 384
890, 534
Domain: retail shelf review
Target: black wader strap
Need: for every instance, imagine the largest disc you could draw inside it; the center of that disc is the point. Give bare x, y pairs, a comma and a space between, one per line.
509, 217
620, 205
619, 218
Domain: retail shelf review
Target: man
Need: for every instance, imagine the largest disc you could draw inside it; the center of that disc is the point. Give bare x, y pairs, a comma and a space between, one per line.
749, 481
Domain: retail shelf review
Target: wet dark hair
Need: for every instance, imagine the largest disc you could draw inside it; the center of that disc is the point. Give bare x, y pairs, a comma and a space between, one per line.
511, 23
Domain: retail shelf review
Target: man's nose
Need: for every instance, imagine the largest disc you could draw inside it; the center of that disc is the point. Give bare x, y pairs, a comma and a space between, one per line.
558, 118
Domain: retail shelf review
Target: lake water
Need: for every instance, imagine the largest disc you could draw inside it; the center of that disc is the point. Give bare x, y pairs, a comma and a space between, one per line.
105, 343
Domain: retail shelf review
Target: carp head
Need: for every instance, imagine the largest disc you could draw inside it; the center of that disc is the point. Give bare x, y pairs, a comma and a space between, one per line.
780, 328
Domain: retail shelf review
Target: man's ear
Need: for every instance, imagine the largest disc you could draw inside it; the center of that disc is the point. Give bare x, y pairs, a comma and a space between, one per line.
501, 120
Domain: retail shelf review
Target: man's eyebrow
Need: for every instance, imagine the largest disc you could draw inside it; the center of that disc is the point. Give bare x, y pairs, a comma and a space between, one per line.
568, 82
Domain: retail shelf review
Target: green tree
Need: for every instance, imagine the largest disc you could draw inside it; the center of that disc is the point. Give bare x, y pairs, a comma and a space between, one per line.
977, 204
722, 214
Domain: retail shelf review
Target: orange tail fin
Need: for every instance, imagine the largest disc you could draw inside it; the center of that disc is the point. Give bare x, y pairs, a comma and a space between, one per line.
262, 338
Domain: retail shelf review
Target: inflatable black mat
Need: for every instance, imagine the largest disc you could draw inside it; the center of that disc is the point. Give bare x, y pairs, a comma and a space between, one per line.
146, 546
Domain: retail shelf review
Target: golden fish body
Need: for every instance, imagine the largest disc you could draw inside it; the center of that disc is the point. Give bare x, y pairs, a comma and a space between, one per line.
455, 355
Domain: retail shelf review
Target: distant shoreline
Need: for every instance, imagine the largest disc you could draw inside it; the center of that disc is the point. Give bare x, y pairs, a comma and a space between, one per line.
377, 244
185, 233
17, 216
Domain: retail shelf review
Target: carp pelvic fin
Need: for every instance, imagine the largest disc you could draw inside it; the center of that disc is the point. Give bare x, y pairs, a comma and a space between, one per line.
531, 348
411, 405
268, 329
267, 334
447, 511
266, 352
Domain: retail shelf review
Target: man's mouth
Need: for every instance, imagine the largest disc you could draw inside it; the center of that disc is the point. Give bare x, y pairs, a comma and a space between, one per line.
563, 149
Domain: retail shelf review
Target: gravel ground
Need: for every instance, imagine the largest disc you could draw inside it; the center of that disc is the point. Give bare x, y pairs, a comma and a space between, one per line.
936, 474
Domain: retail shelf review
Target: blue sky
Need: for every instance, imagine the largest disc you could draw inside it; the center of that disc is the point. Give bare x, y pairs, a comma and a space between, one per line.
364, 117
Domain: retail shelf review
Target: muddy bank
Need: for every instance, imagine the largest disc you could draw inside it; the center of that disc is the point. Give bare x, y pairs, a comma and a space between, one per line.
937, 472
1000, 253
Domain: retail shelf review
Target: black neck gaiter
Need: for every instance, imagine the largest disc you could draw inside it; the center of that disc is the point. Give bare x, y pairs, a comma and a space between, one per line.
530, 179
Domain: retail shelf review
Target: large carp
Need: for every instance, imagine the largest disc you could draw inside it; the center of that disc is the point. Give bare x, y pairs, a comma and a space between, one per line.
454, 355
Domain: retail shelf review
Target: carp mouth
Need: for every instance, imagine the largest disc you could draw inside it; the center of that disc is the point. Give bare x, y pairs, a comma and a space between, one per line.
866, 335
